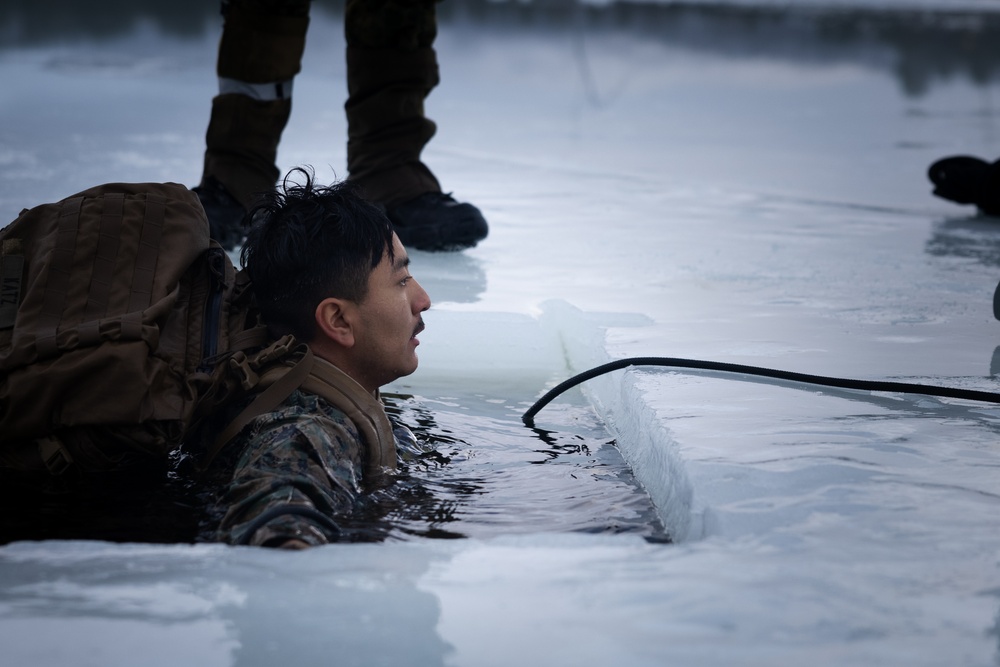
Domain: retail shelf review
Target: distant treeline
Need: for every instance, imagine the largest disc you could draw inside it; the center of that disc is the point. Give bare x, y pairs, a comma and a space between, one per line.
921, 47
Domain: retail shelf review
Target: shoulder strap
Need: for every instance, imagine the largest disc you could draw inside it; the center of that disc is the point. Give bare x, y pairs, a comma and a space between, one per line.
322, 378
361, 407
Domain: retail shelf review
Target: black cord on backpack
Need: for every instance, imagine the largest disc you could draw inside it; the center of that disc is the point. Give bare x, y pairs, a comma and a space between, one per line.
865, 385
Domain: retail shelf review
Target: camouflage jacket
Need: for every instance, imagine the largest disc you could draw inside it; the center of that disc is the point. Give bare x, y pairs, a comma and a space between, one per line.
296, 469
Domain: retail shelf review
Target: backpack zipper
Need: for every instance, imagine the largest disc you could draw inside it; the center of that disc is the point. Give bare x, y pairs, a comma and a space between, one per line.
213, 308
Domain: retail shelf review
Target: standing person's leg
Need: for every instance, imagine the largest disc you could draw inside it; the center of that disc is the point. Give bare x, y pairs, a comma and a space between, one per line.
259, 55
391, 68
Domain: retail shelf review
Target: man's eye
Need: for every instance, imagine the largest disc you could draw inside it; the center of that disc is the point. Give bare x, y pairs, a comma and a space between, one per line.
405, 280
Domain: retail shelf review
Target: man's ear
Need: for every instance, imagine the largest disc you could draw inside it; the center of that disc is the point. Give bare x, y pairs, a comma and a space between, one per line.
335, 320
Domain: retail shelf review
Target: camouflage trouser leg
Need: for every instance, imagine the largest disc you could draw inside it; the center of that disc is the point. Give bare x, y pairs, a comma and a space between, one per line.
259, 55
391, 68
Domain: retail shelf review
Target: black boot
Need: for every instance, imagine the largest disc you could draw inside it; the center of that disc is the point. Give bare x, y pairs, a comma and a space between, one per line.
225, 214
435, 221
968, 180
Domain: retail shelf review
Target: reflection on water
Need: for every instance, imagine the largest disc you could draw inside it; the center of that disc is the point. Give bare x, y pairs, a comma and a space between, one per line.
920, 48
477, 472
975, 237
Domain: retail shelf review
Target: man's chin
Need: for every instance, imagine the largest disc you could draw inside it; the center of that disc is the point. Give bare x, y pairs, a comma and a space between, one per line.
409, 368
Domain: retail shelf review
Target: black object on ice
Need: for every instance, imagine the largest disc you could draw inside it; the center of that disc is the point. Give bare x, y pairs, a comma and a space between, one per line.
865, 385
968, 180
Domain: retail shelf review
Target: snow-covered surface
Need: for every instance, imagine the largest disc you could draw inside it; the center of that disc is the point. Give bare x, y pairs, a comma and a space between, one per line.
678, 189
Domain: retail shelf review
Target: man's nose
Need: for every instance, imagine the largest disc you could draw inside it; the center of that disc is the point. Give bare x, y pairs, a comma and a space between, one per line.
423, 300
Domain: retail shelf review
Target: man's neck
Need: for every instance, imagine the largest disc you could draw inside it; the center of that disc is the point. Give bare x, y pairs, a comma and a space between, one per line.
334, 356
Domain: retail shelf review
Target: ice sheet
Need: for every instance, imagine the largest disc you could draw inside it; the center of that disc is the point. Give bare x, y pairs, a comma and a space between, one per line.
731, 184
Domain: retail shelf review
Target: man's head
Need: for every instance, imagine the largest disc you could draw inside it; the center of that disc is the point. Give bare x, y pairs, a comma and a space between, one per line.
327, 268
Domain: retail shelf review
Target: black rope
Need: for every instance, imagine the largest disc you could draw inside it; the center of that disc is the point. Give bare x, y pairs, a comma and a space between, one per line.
865, 385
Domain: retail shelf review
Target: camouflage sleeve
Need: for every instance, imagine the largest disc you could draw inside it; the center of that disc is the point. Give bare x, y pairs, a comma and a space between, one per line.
296, 473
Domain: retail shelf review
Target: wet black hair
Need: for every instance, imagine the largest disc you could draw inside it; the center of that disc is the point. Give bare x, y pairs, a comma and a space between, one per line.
309, 242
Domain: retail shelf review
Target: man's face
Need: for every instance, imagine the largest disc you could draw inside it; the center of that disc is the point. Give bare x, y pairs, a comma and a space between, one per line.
390, 318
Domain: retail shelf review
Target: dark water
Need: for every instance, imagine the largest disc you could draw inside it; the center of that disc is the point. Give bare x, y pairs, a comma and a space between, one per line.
486, 474
476, 472
136, 506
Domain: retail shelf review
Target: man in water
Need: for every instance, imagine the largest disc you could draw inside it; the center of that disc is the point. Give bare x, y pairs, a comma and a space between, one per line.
327, 268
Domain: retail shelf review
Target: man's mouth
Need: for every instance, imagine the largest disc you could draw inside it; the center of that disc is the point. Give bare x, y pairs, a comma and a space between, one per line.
420, 327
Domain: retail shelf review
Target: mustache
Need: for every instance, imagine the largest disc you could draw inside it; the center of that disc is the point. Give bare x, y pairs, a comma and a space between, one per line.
420, 327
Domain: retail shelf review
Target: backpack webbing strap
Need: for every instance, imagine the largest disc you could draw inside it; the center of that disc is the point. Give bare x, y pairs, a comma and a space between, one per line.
109, 237
264, 402
59, 277
102, 277
253, 337
144, 270
149, 248
11, 275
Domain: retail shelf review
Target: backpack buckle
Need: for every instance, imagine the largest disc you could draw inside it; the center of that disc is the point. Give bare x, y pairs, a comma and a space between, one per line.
240, 365
55, 456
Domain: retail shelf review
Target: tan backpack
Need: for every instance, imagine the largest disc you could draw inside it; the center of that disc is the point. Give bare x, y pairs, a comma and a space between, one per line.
122, 327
